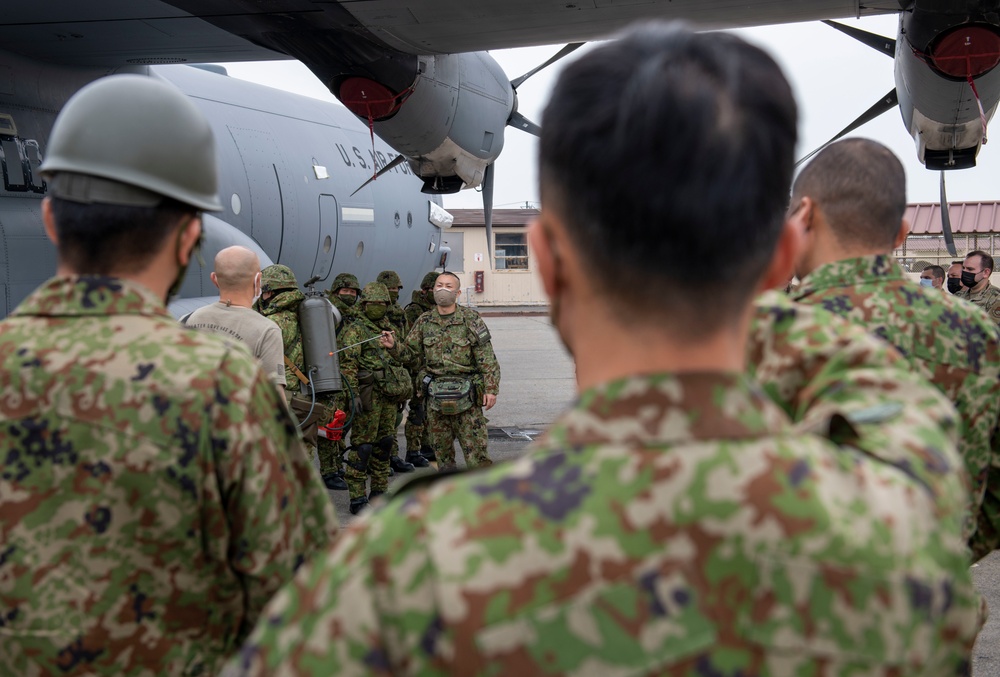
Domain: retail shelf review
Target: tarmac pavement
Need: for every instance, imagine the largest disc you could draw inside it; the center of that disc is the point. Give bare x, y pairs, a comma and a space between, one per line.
537, 383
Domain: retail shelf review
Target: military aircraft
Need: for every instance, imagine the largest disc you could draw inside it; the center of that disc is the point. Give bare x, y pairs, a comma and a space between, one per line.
410, 77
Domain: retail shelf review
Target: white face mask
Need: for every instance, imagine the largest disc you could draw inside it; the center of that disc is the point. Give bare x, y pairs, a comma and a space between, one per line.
256, 289
926, 282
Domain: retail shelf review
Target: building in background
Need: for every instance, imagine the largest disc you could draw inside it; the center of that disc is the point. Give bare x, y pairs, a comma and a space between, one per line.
976, 225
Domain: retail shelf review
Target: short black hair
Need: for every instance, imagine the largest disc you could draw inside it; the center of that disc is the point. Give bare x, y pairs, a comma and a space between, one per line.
449, 274
665, 149
984, 259
860, 186
936, 271
103, 239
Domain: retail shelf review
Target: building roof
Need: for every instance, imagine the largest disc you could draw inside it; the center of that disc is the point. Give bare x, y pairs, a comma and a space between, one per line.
966, 218
473, 218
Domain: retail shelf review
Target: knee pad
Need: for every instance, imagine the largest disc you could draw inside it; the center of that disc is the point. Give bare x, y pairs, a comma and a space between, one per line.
364, 454
384, 448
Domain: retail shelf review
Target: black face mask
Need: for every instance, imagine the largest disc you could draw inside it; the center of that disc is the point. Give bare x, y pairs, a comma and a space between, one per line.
969, 279
954, 284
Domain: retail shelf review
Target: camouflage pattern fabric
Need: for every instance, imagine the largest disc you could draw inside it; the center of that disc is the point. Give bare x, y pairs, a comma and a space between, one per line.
416, 435
988, 299
667, 525
330, 452
283, 309
371, 426
457, 344
154, 493
950, 343
832, 377
347, 313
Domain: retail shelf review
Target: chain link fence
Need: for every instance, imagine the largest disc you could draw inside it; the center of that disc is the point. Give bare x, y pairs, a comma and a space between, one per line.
920, 251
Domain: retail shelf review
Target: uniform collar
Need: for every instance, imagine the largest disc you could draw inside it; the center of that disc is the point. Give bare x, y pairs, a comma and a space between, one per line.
851, 272
669, 409
77, 295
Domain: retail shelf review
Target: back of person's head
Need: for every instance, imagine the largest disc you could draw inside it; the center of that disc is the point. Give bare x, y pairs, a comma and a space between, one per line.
668, 155
129, 159
937, 272
236, 268
860, 186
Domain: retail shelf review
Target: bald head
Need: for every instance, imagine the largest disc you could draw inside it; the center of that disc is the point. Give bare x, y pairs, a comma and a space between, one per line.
235, 269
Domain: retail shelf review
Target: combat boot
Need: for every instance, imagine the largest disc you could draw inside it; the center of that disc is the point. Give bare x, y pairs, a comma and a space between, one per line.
334, 481
399, 465
428, 453
416, 460
373, 494
358, 504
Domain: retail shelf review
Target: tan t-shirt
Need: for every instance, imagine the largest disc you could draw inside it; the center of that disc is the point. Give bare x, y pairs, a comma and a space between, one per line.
258, 333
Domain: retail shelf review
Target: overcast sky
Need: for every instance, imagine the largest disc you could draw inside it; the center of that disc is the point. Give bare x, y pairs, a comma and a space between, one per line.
835, 79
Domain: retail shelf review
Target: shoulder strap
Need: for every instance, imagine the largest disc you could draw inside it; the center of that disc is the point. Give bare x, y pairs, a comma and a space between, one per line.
298, 372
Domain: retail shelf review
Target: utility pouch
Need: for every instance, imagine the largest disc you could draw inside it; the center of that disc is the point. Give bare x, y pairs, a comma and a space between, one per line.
366, 389
450, 395
301, 406
395, 383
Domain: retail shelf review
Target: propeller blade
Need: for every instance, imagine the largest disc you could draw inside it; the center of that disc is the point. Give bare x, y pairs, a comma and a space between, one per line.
488, 210
949, 240
886, 103
524, 124
877, 42
398, 160
568, 49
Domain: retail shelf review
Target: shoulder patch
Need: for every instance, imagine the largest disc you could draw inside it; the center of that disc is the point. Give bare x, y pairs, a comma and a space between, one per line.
480, 329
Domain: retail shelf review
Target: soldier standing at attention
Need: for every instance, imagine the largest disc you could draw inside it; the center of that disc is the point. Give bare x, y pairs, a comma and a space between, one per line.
417, 441
674, 522
367, 368
154, 493
850, 201
450, 347
976, 286
279, 302
400, 325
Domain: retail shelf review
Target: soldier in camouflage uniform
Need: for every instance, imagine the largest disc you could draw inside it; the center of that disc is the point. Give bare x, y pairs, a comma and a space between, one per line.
417, 441
343, 295
397, 318
154, 493
448, 342
363, 363
279, 302
979, 290
851, 198
675, 521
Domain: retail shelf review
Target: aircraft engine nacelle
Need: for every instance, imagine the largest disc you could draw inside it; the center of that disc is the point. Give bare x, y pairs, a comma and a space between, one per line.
936, 57
449, 123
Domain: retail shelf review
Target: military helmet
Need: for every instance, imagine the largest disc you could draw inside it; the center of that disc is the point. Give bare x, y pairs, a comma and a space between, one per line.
345, 281
277, 277
374, 292
429, 280
132, 140
389, 278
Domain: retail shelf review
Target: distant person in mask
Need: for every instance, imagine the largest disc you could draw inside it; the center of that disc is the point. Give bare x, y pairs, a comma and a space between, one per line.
457, 372
343, 295
954, 276
976, 286
932, 277
237, 276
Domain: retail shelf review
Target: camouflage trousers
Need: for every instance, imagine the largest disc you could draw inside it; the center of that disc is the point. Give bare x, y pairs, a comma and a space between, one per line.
469, 428
372, 435
416, 435
331, 453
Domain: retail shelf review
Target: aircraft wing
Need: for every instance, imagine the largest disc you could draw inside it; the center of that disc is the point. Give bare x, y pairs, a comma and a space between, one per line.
120, 32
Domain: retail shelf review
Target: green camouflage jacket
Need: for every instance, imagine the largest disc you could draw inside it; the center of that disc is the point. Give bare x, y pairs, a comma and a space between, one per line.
667, 525
988, 299
451, 345
397, 318
154, 493
347, 313
417, 306
283, 309
370, 356
949, 342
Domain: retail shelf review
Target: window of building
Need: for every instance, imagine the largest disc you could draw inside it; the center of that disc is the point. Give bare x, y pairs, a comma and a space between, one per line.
511, 251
